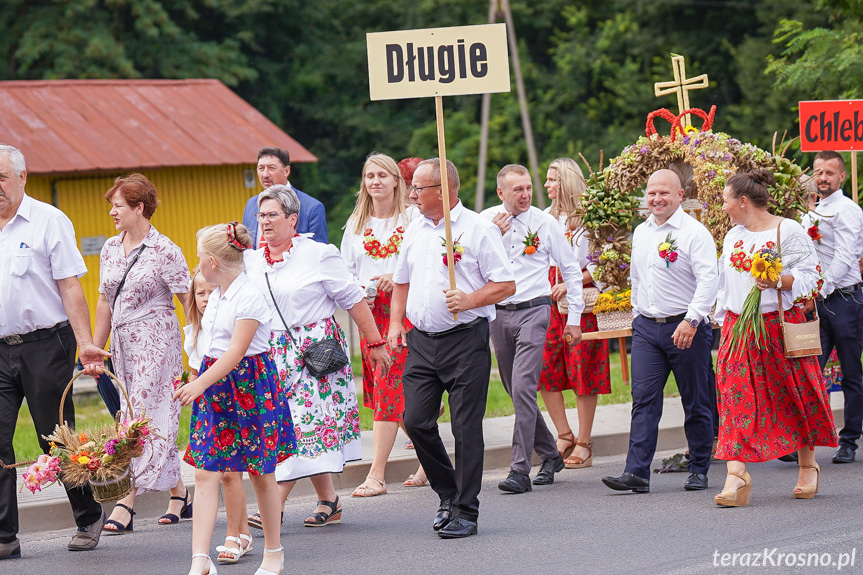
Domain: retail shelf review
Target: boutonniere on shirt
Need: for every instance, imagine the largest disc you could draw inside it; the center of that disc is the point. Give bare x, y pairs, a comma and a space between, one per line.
531, 242
457, 251
813, 232
668, 250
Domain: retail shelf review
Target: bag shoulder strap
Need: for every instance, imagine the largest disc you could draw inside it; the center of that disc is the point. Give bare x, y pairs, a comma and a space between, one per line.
287, 327
779, 291
125, 275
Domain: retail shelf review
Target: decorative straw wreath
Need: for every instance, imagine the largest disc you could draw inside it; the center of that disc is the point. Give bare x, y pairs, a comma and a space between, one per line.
100, 458
612, 200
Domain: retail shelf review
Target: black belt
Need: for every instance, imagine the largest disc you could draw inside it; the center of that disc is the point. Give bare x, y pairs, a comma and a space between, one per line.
535, 302
672, 319
847, 290
33, 335
452, 330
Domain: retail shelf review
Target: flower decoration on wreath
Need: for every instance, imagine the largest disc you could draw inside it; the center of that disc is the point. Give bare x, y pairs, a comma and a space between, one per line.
612, 198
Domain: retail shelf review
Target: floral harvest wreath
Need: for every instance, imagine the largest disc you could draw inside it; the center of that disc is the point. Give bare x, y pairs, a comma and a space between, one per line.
611, 202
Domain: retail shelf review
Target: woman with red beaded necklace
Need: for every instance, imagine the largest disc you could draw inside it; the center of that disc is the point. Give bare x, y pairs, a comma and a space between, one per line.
307, 281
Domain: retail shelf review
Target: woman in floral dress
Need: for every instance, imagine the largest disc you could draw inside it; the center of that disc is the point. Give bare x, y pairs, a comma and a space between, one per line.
307, 281
146, 340
370, 248
769, 405
582, 368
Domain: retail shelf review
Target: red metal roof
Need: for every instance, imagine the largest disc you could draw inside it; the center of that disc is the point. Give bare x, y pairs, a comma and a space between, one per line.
64, 126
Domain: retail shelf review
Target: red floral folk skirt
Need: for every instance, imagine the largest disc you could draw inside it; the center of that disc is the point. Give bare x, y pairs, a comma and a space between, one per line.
384, 395
769, 405
583, 368
242, 422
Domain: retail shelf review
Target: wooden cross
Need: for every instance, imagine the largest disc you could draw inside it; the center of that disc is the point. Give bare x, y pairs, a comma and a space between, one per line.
681, 85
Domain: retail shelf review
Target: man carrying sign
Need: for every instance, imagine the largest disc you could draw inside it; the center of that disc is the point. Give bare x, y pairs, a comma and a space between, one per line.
446, 354
533, 240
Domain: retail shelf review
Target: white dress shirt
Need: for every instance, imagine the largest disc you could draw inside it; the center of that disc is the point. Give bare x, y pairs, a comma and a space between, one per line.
308, 284
688, 285
360, 262
421, 265
37, 248
531, 270
242, 300
840, 223
798, 260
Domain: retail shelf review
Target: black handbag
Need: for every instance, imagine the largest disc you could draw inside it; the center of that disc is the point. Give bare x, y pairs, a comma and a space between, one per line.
322, 357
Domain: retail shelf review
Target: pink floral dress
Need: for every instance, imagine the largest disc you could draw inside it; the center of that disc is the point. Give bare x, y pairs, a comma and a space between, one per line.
146, 344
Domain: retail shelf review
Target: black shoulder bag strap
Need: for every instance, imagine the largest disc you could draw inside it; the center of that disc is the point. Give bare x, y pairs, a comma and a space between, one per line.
287, 327
123, 280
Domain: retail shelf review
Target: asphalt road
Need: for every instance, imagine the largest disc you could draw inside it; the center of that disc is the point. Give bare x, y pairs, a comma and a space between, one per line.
575, 526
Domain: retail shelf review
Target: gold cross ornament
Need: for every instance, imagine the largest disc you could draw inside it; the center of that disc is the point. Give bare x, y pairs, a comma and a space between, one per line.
681, 85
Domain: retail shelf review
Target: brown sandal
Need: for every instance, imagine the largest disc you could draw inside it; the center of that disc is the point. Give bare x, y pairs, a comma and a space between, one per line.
578, 462
569, 438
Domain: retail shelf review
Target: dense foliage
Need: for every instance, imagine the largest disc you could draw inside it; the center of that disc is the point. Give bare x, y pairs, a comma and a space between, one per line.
589, 67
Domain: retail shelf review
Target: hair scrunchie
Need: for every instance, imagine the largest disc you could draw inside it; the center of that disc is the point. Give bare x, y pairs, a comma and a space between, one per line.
232, 237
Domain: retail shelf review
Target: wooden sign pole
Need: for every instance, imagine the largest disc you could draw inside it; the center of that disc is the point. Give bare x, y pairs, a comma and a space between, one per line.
444, 187
854, 176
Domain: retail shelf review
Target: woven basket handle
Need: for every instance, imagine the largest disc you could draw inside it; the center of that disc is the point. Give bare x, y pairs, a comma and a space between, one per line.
116, 381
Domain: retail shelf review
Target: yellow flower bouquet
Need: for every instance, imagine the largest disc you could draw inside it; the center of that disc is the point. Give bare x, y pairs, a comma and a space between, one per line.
611, 301
766, 265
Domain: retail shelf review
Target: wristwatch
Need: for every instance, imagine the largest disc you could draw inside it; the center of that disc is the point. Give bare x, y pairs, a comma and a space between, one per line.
779, 283
693, 323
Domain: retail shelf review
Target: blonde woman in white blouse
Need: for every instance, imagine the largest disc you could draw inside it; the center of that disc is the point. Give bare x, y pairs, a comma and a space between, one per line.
370, 248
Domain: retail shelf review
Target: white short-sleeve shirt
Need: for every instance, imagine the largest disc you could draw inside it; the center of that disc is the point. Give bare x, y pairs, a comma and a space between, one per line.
242, 300
421, 265
37, 248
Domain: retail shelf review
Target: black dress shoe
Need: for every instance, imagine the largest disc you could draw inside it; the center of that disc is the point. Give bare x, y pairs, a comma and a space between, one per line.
789, 457
11, 550
695, 482
458, 528
547, 470
515, 482
843, 455
443, 515
628, 482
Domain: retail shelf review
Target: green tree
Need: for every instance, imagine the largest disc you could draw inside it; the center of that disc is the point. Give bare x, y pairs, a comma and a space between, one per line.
127, 39
825, 61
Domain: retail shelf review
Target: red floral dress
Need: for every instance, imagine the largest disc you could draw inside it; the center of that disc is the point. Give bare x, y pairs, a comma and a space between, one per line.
583, 368
769, 405
384, 395
374, 253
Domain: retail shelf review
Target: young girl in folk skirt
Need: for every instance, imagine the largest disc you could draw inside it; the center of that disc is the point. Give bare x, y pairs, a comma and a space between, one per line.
239, 421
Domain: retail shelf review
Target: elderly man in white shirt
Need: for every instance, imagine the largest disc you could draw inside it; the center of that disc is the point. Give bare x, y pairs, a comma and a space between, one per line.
836, 227
42, 314
533, 241
445, 354
672, 293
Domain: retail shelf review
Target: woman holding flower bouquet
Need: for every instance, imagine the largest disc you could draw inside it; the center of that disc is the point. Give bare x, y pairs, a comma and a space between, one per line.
769, 405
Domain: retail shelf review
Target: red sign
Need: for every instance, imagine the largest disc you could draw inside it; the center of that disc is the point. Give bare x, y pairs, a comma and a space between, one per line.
831, 125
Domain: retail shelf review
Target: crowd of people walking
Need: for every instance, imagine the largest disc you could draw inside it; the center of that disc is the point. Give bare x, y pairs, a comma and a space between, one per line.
272, 391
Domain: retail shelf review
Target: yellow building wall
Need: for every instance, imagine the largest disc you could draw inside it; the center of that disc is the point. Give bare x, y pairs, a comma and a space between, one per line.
190, 198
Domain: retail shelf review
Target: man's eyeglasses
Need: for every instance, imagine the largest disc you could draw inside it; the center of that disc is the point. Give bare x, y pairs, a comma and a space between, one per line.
263, 216
414, 189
